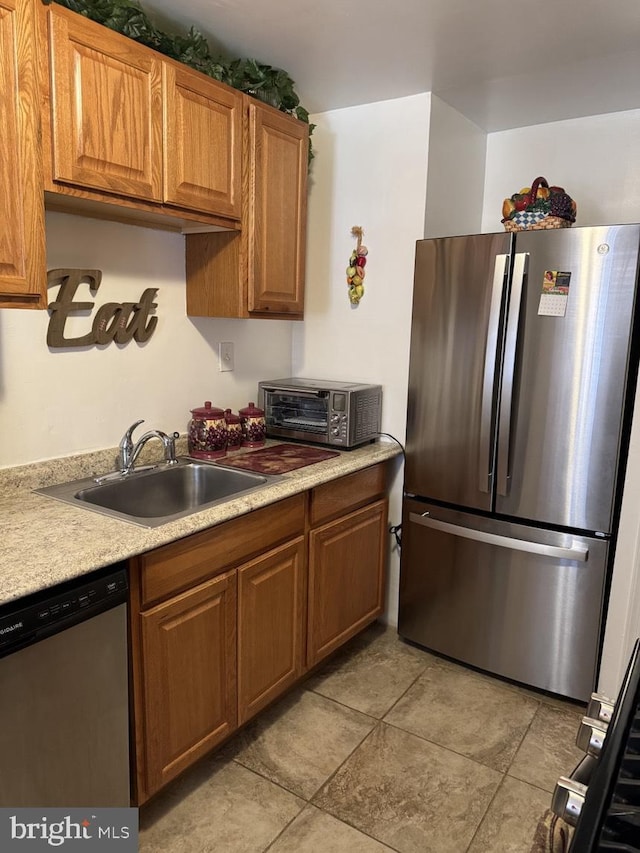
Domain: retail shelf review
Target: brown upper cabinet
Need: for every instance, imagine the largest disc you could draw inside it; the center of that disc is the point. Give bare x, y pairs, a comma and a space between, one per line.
202, 142
106, 109
260, 272
96, 124
128, 123
23, 280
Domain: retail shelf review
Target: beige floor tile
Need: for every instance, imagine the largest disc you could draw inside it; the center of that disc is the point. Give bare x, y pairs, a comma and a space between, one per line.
219, 808
410, 794
301, 741
372, 673
314, 831
548, 750
466, 712
509, 825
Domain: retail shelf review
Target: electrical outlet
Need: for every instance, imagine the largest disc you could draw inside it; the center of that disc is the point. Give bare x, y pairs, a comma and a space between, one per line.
225, 354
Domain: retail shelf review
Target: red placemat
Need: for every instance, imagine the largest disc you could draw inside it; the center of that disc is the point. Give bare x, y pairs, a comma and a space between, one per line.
278, 459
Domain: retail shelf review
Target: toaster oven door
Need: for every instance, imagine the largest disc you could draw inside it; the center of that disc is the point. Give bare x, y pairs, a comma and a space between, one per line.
297, 414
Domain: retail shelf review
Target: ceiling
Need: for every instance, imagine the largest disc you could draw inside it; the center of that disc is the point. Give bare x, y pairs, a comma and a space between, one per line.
502, 64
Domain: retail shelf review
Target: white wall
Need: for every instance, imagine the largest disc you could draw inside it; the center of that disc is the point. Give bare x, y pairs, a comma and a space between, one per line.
596, 160
58, 402
455, 177
369, 170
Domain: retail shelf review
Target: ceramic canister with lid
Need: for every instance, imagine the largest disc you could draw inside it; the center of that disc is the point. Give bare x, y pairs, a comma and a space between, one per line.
207, 432
234, 430
254, 430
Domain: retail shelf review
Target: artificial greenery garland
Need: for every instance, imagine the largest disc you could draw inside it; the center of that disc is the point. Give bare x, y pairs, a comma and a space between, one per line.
270, 85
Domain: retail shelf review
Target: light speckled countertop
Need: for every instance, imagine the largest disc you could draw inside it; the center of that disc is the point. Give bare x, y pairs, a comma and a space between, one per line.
44, 541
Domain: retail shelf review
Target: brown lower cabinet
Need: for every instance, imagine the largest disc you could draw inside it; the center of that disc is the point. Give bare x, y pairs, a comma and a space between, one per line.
226, 620
188, 645
346, 578
271, 622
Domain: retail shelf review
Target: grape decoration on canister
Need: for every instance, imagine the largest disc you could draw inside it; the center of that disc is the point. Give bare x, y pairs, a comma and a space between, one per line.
207, 432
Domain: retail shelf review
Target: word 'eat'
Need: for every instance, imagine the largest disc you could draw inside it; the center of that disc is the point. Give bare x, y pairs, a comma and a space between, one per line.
114, 321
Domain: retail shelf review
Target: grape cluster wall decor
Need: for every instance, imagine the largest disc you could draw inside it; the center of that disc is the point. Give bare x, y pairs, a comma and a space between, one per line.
355, 270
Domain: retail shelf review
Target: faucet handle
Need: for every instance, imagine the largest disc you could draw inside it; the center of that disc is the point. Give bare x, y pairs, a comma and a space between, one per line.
129, 432
126, 445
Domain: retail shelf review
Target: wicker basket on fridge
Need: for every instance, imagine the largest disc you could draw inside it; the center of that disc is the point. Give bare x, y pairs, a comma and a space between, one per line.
538, 207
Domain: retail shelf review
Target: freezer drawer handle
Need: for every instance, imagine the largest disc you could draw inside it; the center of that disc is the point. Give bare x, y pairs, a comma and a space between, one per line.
576, 552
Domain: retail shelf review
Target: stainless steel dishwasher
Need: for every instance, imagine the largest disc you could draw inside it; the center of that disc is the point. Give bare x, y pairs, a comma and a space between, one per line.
64, 711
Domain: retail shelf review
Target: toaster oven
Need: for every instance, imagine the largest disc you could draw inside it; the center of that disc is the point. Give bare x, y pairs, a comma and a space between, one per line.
341, 414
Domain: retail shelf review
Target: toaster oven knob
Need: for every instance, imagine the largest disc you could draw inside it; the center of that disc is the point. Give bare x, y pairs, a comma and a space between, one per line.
591, 735
568, 799
600, 708
335, 430
335, 419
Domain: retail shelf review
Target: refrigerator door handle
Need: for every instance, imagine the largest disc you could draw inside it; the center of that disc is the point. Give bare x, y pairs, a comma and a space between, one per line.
490, 364
506, 393
576, 552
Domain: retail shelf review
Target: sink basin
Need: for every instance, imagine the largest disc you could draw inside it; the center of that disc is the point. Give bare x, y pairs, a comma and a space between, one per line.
166, 493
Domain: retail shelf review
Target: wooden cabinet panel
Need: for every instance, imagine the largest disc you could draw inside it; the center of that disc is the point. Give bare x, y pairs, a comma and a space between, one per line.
339, 496
278, 155
107, 108
188, 561
271, 618
23, 280
346, 578
189, 666
216, 271
259, 272
202, 142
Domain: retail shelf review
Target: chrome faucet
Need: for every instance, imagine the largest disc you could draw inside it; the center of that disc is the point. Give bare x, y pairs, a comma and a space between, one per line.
169, 442
129, 451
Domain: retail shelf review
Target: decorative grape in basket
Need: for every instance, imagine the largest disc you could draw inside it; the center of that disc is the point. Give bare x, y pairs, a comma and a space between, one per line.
538, 206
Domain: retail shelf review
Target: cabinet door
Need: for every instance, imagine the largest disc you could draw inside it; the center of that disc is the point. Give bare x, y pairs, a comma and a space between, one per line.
271, 613
277, 195
189, 676
202, 143
346, 578
107, 108
23, 280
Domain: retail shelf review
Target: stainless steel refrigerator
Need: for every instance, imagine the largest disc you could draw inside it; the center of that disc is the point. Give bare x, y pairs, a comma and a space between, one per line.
521, 380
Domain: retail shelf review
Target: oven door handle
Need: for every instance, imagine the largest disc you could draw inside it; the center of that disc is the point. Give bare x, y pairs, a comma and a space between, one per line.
282, 389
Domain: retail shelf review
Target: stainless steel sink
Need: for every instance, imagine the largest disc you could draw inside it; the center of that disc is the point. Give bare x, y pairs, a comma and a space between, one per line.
166, 493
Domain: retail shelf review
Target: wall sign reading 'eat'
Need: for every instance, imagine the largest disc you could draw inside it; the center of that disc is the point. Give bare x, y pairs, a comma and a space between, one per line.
113, 321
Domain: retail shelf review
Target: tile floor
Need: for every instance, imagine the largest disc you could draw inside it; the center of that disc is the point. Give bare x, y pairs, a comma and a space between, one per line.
388, 748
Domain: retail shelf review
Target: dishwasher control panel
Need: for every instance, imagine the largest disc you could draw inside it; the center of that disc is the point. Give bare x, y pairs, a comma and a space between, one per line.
41, 614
